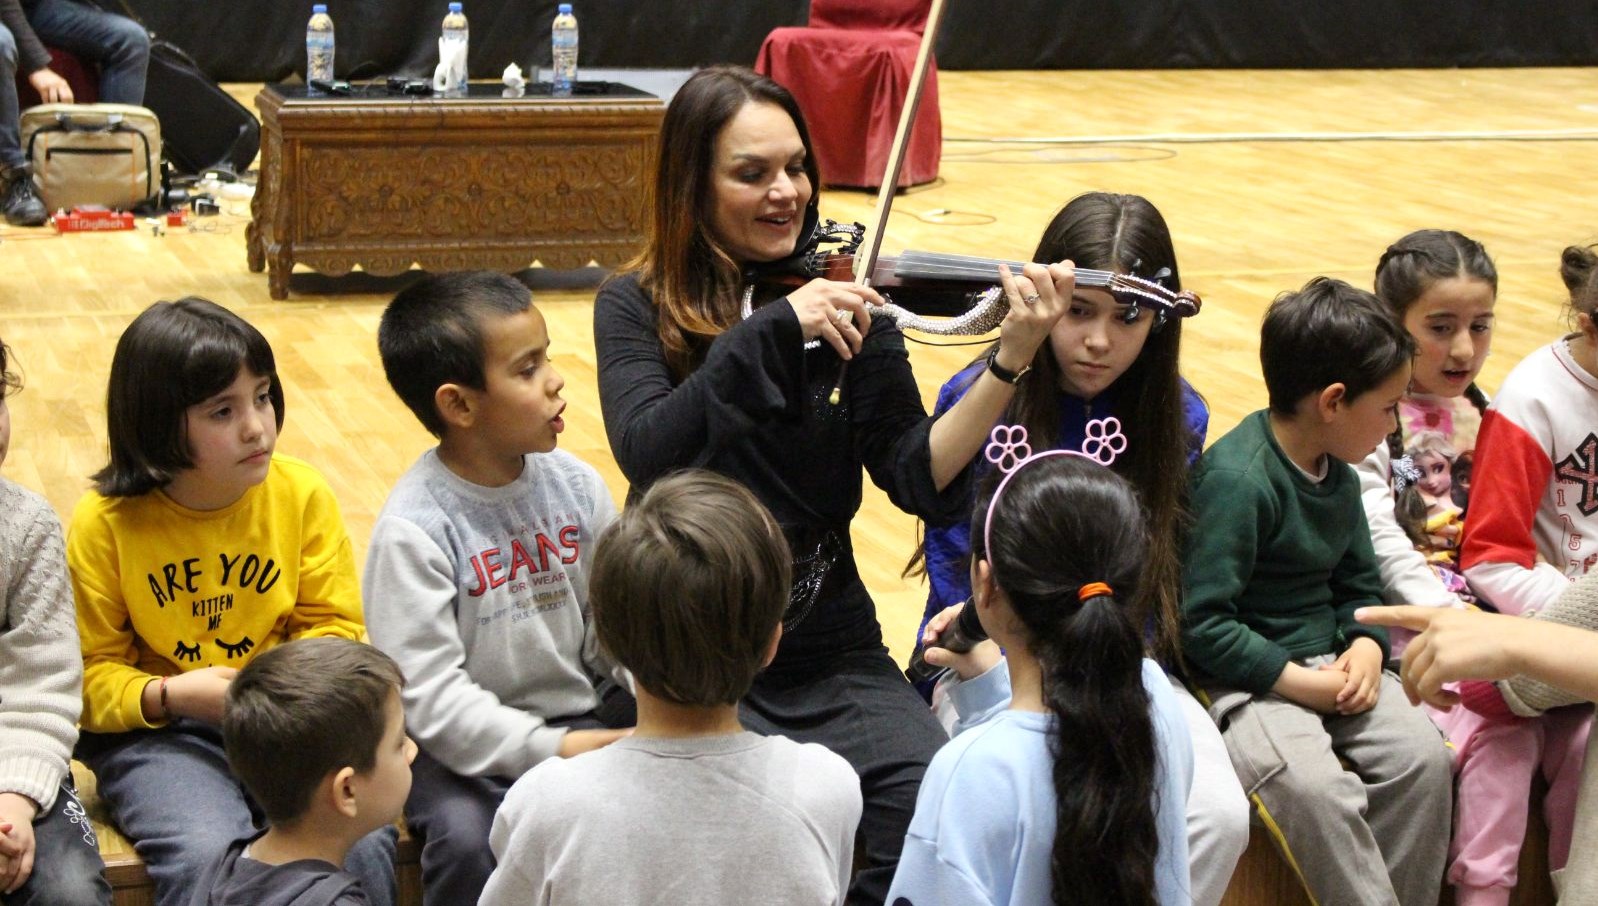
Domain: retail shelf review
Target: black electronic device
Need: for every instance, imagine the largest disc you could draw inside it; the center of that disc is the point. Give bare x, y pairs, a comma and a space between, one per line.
960, 636
202, 127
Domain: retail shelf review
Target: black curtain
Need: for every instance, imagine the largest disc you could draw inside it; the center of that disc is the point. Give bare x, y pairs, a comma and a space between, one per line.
264, 40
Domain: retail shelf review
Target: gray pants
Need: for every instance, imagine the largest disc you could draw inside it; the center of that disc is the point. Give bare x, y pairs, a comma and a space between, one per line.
1374, 834
1578, 883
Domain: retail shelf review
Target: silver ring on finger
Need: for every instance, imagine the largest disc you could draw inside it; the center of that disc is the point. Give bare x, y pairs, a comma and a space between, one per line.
844, 316
1030, 298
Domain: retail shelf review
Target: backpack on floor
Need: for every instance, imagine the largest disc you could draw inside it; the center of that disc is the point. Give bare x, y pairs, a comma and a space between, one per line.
93, 154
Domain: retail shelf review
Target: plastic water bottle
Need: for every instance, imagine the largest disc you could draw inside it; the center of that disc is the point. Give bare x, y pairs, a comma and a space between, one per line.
319, 46
455, 35
563, 41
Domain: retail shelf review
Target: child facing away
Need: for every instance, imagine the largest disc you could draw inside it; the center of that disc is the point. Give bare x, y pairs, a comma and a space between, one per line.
1070, 778
1528, 535
476, 580
1278, 559
198, 550
689, 587
315, 731
1106, 357
48, 852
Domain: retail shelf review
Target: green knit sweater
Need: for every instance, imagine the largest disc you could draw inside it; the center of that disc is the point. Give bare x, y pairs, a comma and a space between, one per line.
1276, 563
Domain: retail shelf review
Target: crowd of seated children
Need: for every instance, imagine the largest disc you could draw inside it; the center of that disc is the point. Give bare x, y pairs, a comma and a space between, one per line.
568, 672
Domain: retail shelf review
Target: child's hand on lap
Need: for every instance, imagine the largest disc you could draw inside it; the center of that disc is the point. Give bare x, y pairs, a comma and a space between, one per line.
1314, 689
576, 742
979, 660
16, 840
1362, 661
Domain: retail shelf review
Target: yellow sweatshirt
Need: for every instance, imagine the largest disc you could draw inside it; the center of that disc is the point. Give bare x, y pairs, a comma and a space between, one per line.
163, 589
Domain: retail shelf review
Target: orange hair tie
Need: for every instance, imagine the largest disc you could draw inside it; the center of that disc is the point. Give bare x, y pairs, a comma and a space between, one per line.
1093, 590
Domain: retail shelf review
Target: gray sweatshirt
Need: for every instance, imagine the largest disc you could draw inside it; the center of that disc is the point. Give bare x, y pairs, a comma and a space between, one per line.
697, 821
481, 595
41, 665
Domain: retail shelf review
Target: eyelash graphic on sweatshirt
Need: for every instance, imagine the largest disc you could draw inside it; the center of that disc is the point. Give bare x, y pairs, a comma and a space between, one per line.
186, 652
236, 649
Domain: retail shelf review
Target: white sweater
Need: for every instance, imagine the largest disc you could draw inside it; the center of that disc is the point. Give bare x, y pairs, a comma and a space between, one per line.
41, 667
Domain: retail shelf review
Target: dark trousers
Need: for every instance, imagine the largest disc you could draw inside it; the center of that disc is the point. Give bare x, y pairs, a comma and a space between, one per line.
863, 709
67, 870
452, 813
119, 45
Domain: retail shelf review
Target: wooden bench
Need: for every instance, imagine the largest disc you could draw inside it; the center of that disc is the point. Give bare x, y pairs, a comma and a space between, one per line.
130, 883
1262, 878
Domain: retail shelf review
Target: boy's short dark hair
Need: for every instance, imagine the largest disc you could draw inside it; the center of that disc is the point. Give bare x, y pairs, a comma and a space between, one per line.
688, 586
10, 381
432, 335
301, 711
1328, 333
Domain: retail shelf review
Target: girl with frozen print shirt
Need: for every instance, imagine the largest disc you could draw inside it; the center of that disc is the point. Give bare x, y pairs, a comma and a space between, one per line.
1441, 285
1068, 780
198, 549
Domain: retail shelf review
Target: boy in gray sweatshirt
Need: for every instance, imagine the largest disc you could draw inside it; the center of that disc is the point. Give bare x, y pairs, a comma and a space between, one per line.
476, 580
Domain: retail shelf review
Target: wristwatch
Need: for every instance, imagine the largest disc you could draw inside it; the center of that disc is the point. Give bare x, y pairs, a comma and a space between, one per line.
1002, 373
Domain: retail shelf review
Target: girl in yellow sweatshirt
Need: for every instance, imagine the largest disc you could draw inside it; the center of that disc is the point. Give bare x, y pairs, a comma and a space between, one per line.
198, 549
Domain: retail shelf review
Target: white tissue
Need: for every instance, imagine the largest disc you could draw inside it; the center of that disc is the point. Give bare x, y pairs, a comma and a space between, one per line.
513, 77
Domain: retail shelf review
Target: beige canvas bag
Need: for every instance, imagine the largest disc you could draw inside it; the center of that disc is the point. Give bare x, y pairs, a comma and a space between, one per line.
93, 154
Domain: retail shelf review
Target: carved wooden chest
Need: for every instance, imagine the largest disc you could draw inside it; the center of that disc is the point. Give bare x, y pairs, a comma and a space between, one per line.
382, 182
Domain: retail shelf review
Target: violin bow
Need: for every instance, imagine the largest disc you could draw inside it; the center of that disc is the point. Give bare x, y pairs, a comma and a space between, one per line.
865, 260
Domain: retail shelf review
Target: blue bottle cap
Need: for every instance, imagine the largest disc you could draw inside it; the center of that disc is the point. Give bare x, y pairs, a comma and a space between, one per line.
454, 7
317, 8
565, 9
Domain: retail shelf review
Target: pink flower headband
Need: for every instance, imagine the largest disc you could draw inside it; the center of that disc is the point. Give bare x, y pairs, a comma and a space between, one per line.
1009, 451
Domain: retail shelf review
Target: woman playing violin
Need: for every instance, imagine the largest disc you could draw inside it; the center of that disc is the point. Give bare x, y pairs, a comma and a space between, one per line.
698, 370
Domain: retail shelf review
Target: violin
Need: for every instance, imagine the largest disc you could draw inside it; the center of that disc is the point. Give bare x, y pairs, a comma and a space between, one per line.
945, 294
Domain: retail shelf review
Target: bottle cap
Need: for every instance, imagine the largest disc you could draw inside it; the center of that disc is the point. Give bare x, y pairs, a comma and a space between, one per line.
454, 7
317, 9
565, 9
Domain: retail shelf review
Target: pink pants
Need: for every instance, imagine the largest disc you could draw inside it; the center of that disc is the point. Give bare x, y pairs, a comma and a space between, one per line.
1496, 762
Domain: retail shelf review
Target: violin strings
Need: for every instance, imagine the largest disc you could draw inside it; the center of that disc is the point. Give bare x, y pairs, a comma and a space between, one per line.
941, 264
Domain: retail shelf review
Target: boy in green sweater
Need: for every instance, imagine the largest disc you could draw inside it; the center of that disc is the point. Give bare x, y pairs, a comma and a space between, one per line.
1278, 559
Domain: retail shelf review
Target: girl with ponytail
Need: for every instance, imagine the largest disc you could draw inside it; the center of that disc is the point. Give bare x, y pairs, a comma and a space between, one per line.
1069, 775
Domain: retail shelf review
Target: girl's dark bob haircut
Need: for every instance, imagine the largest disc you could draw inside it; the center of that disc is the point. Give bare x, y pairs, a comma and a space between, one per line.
173, 355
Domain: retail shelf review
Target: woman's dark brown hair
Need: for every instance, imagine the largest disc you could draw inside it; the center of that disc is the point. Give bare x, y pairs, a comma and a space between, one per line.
694, 280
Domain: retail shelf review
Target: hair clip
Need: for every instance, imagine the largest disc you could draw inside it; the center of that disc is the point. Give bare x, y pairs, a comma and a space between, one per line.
1405, 473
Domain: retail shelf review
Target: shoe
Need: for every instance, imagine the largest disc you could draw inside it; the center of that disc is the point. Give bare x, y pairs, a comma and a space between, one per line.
22, 205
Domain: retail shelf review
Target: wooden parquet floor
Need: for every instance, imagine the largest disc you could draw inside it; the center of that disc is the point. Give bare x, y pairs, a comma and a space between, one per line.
1251, 217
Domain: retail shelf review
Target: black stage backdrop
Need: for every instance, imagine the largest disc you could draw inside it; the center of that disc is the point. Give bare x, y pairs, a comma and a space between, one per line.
264, 40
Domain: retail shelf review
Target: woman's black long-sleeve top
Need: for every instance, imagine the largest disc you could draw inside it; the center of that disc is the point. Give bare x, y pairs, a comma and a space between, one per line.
756, 410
